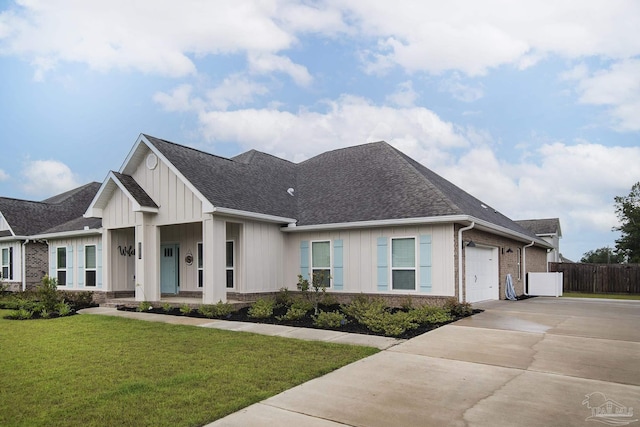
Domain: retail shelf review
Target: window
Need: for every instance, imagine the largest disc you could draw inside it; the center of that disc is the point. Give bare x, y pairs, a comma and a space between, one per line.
90, 265
7, 264
403, 264
200, 266
61, 266
230, 264
321, 261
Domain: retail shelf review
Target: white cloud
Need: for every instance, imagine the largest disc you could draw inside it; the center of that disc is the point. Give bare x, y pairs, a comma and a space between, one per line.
404, 96
47, 177
473, 37
617, 87
3, 175
179, 99
235, 90
349, 120
150, 36
460, 91
266, 63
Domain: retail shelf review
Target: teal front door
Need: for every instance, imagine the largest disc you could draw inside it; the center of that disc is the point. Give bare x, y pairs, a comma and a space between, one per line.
169, 272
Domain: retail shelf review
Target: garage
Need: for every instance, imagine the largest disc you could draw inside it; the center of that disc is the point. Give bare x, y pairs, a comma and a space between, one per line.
481, 274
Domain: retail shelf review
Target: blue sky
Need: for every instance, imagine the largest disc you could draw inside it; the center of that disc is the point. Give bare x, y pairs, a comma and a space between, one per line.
533, 108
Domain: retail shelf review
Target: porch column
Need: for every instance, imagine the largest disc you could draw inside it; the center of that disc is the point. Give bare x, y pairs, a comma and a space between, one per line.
214, 235
147, 259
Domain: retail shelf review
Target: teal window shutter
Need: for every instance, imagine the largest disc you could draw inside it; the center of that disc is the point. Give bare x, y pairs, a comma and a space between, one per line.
70, 266
304, 259
383, 264
425, 263
80, 266
338, 267
99, 265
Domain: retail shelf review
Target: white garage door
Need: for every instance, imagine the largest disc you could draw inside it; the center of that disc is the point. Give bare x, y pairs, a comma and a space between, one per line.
481, 274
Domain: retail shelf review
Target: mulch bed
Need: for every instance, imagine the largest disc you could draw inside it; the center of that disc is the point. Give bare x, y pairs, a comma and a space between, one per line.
306, 322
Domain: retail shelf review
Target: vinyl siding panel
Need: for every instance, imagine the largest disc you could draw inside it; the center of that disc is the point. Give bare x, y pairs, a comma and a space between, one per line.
75, 266
360, 256
259, 258
177, 203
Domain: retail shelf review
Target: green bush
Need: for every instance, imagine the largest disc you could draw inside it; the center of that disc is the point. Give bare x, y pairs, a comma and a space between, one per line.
22, 314
298, 309
144, 306
47, 293
458, 309
329, 319
364, 307
262, 308
185, 309
63, 308
221, 309
284, 297
391, 324
430, 315
166, 307
78, 300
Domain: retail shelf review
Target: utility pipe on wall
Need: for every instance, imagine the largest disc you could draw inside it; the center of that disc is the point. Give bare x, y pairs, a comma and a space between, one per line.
473, 224
524, 267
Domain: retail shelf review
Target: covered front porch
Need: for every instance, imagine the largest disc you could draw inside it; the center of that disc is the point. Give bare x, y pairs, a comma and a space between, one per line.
192, 263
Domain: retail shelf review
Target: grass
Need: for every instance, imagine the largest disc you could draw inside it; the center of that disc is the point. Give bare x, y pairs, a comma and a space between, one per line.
99, 370
608, 296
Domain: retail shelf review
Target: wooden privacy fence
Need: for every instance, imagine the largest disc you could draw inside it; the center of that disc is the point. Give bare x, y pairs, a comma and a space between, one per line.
599, 278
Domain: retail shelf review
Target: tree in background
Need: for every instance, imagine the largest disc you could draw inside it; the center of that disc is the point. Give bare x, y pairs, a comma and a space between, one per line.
602, 256
628, 212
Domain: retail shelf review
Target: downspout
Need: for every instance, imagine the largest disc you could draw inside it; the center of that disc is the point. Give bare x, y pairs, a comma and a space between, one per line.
473, 224
524, 267
24, 265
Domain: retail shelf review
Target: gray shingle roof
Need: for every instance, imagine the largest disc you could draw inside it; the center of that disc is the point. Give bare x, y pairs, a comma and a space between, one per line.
135, 190
540, 227
28, 218
253, 181
363, 183
76, 225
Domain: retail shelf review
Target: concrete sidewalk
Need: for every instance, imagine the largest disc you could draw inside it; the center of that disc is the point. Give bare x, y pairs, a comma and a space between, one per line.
308, 334
536, 362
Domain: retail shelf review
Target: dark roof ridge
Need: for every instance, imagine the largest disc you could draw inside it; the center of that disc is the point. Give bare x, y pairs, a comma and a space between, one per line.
415, 165
66, 195
336, 150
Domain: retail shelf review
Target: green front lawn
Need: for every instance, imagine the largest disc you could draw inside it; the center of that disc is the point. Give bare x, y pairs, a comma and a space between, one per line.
103, 371
608, 296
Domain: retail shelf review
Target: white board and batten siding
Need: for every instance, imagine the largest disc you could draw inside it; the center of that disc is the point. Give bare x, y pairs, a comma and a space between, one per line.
361, 250
75, 258
178, 204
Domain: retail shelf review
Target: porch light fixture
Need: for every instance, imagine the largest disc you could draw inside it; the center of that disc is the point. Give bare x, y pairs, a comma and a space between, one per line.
509, 251
471, 244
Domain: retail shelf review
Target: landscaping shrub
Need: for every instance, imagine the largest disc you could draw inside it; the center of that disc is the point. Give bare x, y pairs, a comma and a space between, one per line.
364, 307
185, 309
47, 293
298, 309
166, 307
314, 291
430, 314
144, 306
218, 310
63, 308
283, 297
78, 300
329, 319
262, 308
458, 309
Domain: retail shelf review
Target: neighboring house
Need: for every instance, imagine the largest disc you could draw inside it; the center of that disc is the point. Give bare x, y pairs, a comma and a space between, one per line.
547, 229
24, 247
176, 220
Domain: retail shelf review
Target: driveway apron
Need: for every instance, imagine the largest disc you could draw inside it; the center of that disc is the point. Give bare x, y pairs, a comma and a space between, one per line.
535, 362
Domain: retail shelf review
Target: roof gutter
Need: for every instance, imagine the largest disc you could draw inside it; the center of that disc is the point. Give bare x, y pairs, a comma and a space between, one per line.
473, 224
253, 215
72, 233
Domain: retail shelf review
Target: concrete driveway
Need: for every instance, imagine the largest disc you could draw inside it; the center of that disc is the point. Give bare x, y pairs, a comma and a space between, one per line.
536, 362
